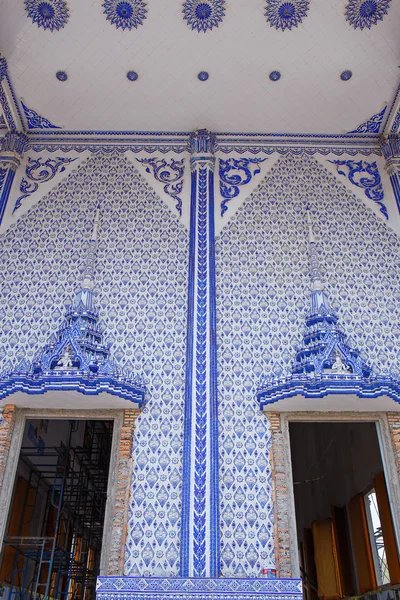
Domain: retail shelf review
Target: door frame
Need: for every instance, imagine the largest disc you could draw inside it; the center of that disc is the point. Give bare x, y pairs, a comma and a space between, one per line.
387, 456
22, 415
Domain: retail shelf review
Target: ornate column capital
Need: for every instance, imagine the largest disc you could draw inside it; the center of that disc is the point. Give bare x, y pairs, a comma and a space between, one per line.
14, 141
12, 148
202, 148
390, 145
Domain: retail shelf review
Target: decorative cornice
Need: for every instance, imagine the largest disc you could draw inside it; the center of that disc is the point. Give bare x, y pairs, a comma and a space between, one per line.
152, 142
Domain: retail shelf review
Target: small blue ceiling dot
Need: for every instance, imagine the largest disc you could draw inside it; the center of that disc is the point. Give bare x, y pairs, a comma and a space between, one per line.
346, 75
132, 75
61, 76
274, 75
203, 76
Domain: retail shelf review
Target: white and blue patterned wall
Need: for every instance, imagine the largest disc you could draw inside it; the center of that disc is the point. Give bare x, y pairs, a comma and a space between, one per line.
141, 279
262, 291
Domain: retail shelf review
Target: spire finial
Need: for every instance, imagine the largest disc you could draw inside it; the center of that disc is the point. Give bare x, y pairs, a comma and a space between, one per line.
88, 276
316, 282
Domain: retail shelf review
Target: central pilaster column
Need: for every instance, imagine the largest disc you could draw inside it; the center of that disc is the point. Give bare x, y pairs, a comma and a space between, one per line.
200, 496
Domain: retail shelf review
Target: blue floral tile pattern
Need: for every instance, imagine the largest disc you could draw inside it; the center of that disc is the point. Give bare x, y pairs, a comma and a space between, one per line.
262, 289
125, 14
283, 14
141, 285
262, 295
49, 14
203, 15
365, 13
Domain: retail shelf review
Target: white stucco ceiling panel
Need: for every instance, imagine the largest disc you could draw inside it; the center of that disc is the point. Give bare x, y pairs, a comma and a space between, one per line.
168, 55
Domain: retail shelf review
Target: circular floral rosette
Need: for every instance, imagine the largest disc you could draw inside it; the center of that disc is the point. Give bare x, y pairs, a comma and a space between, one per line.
365, 13
125, 14
49, 14
285, 15
203, 15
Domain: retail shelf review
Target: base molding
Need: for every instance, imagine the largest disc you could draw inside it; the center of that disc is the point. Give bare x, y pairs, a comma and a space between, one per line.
177, 588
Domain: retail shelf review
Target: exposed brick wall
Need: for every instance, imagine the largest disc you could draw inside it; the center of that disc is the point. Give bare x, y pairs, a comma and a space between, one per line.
394, 425
120, 518
6, 432
280, 498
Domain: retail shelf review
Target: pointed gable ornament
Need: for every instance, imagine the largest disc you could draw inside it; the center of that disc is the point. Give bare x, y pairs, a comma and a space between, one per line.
325, 363
75, 358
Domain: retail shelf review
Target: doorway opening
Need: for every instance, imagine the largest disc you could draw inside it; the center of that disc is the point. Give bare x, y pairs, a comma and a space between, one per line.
53, 540
345, 532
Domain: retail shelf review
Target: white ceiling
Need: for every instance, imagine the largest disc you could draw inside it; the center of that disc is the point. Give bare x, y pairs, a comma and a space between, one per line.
238, 97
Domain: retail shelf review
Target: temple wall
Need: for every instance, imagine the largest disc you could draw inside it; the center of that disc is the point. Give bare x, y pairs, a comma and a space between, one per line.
262, 293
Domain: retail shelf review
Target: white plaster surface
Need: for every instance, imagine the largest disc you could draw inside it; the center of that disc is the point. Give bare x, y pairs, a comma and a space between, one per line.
168, 55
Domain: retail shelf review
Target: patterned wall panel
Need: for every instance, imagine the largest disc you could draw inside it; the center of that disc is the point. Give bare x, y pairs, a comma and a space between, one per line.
262, 294
262, 289
141, 279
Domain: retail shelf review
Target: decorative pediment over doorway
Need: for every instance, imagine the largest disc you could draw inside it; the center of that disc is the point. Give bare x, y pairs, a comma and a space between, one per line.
75, 358
326, 364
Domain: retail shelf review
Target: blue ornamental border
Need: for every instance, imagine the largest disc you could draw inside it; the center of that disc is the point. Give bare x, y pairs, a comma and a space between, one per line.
174, 588
319, 387
72, 381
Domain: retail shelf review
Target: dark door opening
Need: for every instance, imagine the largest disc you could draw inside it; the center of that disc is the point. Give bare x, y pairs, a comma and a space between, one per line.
53, 538
347, 543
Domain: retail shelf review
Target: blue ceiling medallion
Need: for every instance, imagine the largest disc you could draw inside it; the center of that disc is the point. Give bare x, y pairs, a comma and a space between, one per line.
125, 14
51, 14
203, 76
365, 13
285, 15
132, 75
274, 75
346, 75
61, 76
203, 15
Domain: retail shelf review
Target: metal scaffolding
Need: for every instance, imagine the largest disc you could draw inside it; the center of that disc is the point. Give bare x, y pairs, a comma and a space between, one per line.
63, 561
